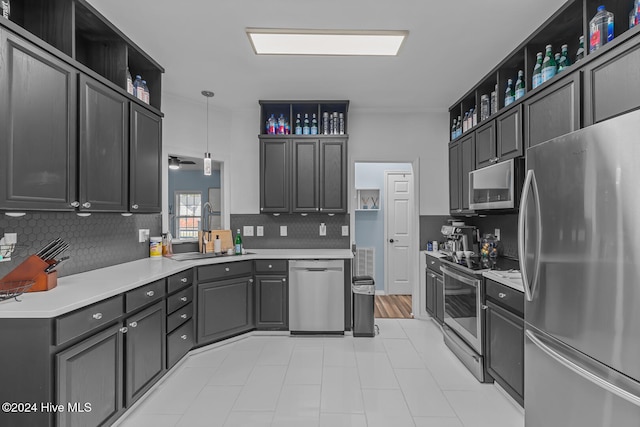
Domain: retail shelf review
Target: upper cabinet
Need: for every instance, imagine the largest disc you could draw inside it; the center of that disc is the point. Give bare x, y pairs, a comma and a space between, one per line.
610, 86
37, 128
71, 136
304, 172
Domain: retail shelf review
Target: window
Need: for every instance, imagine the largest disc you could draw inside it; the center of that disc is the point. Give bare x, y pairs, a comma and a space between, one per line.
188, 214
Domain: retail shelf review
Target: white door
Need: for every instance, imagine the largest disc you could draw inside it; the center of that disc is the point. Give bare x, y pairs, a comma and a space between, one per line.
398, 232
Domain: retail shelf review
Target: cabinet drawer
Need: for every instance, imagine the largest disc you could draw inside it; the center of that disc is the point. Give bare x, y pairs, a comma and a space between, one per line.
179, 281
179, 317
505, 295
271, 266
179, 299
144, 295
77, 323
223, 271
433, 263
179, 342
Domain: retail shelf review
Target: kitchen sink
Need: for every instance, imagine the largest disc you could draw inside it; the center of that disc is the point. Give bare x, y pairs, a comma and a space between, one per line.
190, 256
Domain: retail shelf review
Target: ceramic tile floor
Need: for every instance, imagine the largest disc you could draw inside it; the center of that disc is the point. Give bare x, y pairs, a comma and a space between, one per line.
405, 376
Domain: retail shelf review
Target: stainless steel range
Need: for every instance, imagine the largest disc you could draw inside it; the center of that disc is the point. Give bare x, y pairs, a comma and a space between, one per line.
463, 315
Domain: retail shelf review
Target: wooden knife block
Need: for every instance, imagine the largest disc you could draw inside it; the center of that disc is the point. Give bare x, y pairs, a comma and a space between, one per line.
32, 268
225, 237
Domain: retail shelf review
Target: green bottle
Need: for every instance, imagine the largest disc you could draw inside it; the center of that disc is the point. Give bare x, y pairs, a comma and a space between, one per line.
510, 94
238, 243
549, 66
536, 80
520, 86
564, 58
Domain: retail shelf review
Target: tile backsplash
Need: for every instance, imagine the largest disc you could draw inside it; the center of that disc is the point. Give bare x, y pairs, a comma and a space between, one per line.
99, 240
302, 231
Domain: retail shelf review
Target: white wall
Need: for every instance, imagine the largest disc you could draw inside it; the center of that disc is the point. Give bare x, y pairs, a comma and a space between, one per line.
373, 136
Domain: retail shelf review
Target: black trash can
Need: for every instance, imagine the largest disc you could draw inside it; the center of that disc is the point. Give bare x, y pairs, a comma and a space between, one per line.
364, 289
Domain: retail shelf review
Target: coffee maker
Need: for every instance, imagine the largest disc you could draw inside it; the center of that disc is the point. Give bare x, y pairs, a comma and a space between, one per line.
460, 238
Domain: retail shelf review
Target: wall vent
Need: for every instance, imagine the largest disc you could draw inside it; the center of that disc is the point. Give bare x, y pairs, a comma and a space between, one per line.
365, 262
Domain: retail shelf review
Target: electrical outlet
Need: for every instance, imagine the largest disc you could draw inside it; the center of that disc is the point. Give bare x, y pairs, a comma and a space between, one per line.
323, 229
259, 230
496, 233
345, 230
283, 230
247, 230
143, 235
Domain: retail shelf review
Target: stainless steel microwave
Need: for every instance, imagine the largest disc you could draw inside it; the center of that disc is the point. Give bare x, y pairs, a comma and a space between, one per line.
497, 186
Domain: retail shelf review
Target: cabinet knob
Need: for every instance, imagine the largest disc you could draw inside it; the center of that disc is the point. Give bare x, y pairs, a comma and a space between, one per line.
502, 295
484, 307
74, 204
459, 210
226, 269
321, 209
250, 280
184, 280
284, 279
433, 275
183, 299
433, 262
184, 316
97, 316
184, 337
270, 266
150, 293
134, 206
86, 205
124, 330
133, 324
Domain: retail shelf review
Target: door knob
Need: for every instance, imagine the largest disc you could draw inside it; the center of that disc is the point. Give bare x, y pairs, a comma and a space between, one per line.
391, 240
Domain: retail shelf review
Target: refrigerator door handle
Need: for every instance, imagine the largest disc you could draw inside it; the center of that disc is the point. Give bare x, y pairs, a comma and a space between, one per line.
589, 376
529, 185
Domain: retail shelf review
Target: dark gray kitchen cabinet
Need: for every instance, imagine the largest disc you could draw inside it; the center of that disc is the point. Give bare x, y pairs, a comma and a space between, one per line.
440, 299
145, 350
485, 145
553, 112
103, 149
274, 175
435, 290
612, 84
333, 175
509, 135
145, 165
461, 162
431, 293
225, 308
272, 295
305, 175
37, 128
91, 372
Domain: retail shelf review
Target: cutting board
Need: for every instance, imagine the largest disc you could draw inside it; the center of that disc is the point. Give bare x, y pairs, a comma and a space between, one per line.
225, 237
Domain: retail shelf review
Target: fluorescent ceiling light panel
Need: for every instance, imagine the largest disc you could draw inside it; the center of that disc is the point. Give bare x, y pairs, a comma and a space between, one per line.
269, 41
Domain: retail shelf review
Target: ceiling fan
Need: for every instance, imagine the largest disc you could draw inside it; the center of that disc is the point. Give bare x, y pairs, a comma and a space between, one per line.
175, 162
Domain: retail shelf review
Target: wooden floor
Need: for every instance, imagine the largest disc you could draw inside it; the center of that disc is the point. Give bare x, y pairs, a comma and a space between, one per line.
393, 307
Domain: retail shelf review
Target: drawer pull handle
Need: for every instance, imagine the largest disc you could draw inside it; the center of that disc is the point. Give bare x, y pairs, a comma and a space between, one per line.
184, 337
226, 269
133, 324
97, 316
184, 280
184, 316
124, 330
183, 299
502, 295
150, 293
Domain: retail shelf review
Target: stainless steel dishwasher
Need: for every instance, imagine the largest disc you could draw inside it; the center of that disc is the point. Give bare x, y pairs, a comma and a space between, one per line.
316, 296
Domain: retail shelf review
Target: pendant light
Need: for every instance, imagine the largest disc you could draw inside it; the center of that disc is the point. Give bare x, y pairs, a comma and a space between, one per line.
207, 154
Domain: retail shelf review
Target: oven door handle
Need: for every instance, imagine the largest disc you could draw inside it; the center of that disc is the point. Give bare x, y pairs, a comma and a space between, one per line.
459, 277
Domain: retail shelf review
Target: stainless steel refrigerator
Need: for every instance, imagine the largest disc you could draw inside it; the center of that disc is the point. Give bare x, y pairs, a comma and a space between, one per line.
579, 244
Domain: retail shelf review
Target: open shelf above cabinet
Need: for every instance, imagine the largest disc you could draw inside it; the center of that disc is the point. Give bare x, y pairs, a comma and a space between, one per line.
368, 199
337, 123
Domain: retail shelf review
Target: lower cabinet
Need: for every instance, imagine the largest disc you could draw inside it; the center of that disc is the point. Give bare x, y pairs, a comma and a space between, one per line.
145, 350
225, 308
435, 296
179, 342
272, 302
91, 373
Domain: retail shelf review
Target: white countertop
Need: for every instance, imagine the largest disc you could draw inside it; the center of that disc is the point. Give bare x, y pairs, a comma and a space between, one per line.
79, 290
512, 280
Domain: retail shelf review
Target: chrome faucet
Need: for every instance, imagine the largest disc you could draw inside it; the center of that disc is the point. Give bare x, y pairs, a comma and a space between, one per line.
207, 211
